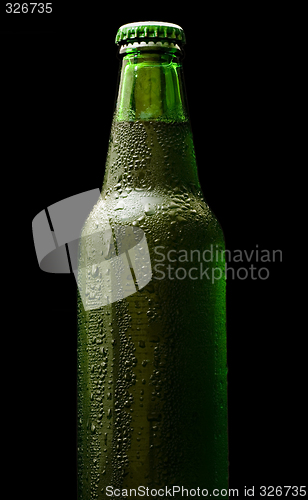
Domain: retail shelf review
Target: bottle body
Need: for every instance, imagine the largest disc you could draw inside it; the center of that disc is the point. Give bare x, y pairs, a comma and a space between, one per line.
152, 368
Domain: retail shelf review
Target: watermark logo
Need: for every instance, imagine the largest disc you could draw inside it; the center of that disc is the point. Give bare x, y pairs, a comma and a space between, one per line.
115, 262
120, 260
213, 263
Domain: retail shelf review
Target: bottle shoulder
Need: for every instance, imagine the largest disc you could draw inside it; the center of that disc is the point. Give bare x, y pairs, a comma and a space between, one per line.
160, 215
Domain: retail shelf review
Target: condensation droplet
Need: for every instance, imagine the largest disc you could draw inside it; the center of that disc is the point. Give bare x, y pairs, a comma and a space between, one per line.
119, 206
149, 209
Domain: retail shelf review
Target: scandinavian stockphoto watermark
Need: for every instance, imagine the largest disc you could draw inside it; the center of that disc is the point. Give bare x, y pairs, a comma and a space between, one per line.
213, 263
117, 261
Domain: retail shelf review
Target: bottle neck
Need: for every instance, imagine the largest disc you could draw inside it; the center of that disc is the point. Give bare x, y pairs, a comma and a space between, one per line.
151, 144
151, 86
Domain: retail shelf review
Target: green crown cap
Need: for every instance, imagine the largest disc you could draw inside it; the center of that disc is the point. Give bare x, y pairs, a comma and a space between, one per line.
150, 31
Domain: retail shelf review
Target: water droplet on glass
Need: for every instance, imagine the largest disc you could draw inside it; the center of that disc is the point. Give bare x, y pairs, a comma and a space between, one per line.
173, 205
95, 270
180, 218
154, 417
149, 210
119, 206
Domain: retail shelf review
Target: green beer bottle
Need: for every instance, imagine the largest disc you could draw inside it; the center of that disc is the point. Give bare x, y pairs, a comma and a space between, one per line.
152, 368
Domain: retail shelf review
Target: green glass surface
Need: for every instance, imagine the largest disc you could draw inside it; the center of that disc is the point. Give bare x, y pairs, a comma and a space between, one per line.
152, 367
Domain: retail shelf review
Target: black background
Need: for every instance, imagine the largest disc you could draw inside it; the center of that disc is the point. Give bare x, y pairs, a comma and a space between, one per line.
59, 76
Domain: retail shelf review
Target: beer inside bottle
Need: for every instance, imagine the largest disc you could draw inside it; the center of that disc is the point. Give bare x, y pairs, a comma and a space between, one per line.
152, 368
